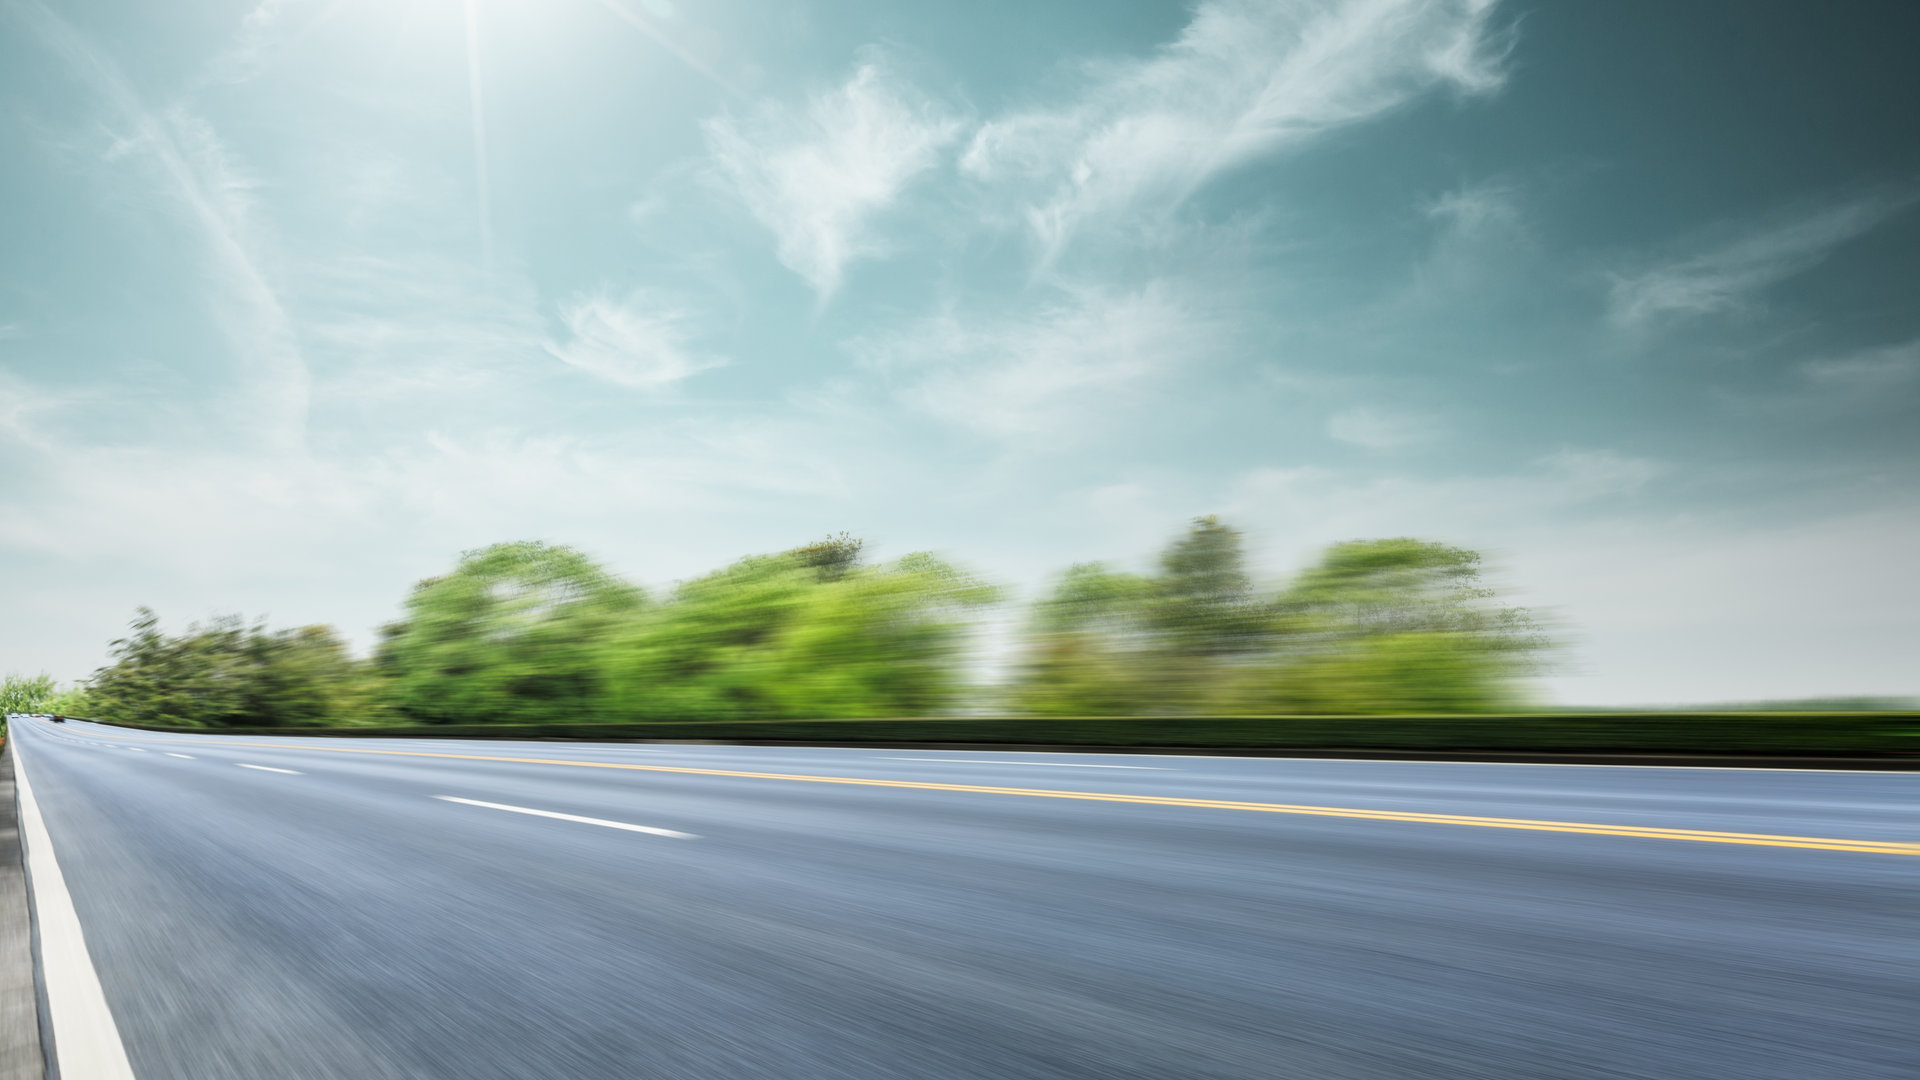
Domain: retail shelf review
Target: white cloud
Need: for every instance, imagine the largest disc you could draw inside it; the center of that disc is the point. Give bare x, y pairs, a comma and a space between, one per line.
1049, 374
1726, 276
642, 343
818, 180
1380, 429
1243, 80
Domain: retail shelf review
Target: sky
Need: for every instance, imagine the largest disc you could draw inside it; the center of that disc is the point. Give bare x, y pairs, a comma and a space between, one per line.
299, 299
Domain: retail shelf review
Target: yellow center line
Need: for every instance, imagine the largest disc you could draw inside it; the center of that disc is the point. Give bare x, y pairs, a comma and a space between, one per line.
1875, 847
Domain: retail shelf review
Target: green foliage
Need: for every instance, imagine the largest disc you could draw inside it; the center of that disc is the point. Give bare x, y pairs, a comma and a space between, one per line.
1092, 652
1204, 604
26, 693
534, 634
774, 636
223, 673
512, 634
71, 701
831, 557
1382, 626
1393, 626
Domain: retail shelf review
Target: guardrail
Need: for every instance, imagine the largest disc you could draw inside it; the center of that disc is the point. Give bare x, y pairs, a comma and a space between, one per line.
1893, 735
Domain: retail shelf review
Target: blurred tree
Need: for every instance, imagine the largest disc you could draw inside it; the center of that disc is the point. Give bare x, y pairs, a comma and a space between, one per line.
69, 701
224, 674
832, 557
26, 693
1204, 613
1379, 626
772, 636
1203, 589
1089, 650
1393, 626
529, 632
513, 633
146, 683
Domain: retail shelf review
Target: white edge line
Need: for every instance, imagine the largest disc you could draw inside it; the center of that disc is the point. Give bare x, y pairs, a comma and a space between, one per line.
86, 1041
269, 768
648, 829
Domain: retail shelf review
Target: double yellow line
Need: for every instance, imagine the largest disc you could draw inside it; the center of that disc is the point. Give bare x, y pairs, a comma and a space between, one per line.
1871, 847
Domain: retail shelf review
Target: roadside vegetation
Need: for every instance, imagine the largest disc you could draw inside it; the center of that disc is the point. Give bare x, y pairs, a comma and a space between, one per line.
25, 693
529, 633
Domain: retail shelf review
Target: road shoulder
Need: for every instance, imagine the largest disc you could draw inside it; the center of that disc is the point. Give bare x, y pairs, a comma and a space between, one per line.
21, 1057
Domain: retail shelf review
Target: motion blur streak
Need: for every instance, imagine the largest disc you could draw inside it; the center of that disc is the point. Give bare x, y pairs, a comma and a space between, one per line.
531, 632
1758, 839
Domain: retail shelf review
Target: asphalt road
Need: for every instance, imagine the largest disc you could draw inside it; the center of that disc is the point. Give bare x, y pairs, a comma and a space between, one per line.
340, 918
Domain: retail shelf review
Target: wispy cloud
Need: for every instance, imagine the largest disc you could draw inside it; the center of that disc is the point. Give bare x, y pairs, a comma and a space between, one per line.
198, 173
1481, 246
644, 342
1048, 374
1871, 371
264, 31
1243, 80
819, 179
1476, 209
1728, 276
1380, 429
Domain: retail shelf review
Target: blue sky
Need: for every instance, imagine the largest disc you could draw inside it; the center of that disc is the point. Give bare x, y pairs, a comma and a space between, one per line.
300, 298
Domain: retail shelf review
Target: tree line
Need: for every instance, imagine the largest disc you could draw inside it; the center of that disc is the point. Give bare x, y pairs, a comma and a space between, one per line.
529, 632
26, 693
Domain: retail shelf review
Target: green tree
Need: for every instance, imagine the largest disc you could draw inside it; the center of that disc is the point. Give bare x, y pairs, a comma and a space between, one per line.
1090, 649
148, 679
1108, 643
1203, 597
70, 701
26, 693
225, 673
514, 633
831, 557
1393, 626
1378, 626
772, 636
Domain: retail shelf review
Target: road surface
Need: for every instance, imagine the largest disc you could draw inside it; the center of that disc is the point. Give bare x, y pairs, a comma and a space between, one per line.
283, 907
